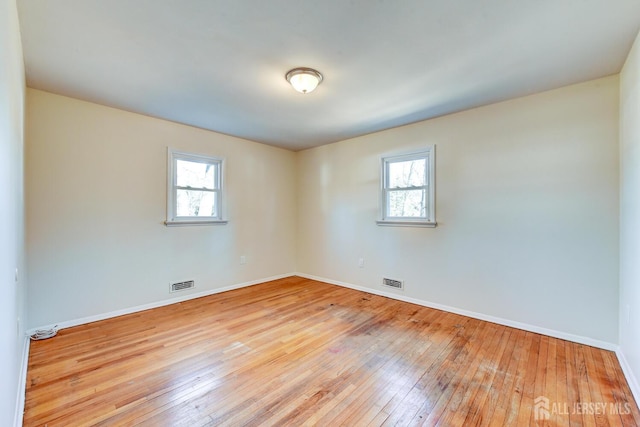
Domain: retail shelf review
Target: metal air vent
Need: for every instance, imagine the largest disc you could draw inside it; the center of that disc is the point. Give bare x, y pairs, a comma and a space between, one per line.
393, 283
181, 286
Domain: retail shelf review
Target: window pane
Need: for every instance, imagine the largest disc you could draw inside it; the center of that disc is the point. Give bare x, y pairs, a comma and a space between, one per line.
194, 174
412, 173
407, 203
196, 203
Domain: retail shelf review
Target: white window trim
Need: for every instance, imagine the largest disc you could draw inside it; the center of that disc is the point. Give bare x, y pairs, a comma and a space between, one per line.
174, 220
427, 152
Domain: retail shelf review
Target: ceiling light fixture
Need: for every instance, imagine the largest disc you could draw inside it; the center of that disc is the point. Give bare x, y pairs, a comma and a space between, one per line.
304, 80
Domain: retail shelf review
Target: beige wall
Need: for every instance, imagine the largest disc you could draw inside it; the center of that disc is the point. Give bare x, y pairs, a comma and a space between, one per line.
630, 216
12, 301
527, 207
96, 202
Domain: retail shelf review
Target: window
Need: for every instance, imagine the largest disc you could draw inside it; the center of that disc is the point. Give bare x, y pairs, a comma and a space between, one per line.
408, 189
194, 189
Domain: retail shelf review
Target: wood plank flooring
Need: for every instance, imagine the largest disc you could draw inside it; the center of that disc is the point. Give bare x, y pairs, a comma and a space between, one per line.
300, 352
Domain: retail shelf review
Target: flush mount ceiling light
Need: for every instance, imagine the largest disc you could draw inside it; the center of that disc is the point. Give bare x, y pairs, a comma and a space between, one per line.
304, 80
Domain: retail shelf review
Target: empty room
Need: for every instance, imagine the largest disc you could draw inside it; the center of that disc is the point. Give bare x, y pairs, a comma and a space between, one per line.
287, 213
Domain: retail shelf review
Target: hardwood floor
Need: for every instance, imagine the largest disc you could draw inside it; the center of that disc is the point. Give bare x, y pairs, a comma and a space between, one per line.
301, 352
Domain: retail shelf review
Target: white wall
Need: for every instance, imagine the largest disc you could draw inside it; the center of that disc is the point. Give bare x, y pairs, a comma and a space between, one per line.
96, 202
630, 214
527, 206
11, 209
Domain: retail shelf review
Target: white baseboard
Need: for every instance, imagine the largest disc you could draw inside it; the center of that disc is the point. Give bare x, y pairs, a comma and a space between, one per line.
500, 321
628, 373
116, 313
22, 383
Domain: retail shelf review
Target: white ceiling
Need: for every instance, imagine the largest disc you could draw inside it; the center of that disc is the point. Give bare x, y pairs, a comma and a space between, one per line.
220, 65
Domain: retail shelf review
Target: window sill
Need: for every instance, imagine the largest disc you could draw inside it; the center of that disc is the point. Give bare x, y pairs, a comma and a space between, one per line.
194, 222
392, 223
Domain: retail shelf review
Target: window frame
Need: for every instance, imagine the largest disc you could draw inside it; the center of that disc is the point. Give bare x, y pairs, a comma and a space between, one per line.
429, 220
172, 218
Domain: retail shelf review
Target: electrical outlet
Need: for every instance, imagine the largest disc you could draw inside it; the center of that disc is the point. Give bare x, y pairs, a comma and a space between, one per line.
627, 310
361, 262
243, 259
16, 276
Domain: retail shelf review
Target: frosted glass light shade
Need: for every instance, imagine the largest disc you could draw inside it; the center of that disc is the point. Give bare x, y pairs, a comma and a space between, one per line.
304, 80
